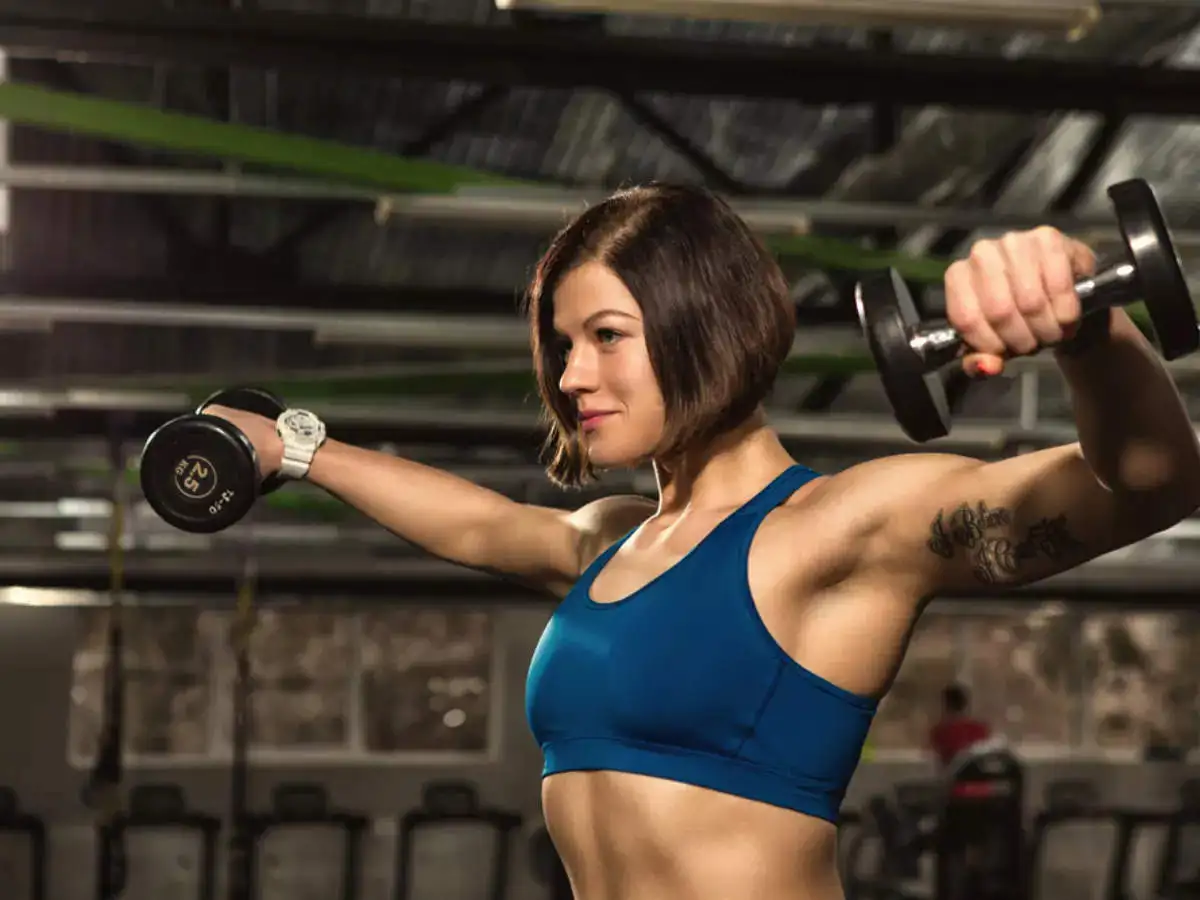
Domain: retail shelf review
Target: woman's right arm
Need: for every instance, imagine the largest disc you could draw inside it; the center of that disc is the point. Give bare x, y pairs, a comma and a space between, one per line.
453, 518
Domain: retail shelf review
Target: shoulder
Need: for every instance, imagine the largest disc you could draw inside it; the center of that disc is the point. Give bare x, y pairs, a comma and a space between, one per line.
606, 520
872, 490
846, 519
904, 473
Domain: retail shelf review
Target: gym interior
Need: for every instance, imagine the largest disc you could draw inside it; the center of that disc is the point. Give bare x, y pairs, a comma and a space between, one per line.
340, 202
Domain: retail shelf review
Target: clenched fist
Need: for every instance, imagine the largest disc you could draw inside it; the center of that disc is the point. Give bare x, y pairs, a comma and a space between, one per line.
1016, 295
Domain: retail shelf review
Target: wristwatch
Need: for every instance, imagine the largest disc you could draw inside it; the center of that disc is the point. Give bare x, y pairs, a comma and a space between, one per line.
302, 434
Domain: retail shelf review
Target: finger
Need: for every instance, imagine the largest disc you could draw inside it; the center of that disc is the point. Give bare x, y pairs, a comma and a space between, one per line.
989, 269
964, 313
982, 365
1083, 258
1024, 265
1058, 277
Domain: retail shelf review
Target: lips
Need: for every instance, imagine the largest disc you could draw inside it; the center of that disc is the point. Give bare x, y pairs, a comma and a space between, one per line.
590, 420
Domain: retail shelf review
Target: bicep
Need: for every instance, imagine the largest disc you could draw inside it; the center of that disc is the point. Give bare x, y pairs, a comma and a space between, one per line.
549, 548
1019, 520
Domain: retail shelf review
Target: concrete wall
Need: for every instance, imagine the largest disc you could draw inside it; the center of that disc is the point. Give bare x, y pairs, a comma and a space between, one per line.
35, 658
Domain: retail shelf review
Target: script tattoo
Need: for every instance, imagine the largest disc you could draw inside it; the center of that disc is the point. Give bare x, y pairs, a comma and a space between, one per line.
995, 553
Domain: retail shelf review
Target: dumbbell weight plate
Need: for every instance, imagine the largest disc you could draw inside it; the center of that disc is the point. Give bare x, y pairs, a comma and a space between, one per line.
888, 315
255, 400
250, 399
1163, 286
199, 473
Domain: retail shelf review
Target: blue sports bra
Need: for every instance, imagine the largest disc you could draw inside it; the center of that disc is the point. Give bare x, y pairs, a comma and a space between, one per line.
682, 681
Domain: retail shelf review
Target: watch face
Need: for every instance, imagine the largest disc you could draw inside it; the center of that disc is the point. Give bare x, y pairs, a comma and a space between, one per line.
302, 424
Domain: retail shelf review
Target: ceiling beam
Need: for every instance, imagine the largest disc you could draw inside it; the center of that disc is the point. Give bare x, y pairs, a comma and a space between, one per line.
287, 580
246, 291
30, 414
560, 58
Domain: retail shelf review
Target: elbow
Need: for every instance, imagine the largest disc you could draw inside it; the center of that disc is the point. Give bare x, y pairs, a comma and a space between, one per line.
1160, 507
1168, 476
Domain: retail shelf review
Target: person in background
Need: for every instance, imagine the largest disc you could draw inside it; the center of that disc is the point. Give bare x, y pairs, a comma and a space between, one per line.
957, 729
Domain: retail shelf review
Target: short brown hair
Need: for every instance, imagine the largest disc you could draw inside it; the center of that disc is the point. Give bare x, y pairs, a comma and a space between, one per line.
718, 316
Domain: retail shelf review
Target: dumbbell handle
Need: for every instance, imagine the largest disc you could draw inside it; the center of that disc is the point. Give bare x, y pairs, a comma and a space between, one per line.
938, 345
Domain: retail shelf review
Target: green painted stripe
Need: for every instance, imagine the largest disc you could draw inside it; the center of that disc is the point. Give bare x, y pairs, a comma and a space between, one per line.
330, 160
136, 124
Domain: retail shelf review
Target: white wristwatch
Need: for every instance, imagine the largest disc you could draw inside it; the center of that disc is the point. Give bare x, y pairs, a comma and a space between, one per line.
302, 434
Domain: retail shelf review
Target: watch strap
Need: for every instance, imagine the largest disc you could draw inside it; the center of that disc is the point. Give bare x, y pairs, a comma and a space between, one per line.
297, 454
296, 462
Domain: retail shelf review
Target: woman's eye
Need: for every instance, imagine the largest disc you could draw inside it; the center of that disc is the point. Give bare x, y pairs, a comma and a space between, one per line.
607, 335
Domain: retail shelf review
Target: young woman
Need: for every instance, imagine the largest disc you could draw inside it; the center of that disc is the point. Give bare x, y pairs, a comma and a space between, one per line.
704, 688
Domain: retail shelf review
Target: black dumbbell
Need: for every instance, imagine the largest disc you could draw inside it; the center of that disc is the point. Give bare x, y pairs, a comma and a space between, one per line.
910, 355
200, 473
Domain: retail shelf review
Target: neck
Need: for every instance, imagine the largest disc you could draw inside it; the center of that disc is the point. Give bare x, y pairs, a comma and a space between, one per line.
725, 472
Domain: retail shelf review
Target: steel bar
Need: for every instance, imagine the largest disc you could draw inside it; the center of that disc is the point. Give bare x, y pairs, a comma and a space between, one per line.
561, 58
536, 210
1061, 17
26, 414
401, 330
80, 579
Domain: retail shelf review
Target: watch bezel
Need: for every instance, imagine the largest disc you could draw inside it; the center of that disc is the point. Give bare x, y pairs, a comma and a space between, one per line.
290, 431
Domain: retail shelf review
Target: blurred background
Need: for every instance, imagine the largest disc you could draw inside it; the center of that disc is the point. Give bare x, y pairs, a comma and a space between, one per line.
342, 200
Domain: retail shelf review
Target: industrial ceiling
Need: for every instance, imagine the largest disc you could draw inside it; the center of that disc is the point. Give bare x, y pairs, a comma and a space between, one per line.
343, 201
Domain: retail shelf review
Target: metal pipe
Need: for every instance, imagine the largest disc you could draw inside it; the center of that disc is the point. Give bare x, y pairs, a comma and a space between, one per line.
395, 48
63, 579
406, 330
520, 207
419, 330
983, 437
1065, 17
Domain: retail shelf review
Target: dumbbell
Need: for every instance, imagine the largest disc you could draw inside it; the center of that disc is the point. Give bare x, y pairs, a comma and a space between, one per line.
200, 473
909, 354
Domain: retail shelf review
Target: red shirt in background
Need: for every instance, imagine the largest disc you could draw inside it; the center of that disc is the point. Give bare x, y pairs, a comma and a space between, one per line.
952, 735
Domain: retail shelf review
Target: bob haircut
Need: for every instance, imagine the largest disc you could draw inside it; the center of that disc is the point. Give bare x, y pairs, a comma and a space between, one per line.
718, 317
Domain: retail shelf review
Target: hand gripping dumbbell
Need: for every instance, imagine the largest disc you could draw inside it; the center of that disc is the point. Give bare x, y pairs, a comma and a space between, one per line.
910, 355
200, 473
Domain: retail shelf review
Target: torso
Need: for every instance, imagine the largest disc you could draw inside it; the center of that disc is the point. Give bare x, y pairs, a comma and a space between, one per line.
623, 836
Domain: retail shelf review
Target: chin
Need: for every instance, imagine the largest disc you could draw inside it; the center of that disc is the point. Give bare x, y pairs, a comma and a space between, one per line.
603, 457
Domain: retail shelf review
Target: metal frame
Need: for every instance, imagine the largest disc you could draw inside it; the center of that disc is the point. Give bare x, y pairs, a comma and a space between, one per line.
536, 209
583, 58
53, 579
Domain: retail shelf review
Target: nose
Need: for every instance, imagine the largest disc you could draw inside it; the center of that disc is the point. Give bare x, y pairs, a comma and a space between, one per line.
579, 373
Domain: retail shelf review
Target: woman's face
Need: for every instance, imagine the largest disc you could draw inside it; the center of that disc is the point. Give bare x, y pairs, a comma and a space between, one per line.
607, 373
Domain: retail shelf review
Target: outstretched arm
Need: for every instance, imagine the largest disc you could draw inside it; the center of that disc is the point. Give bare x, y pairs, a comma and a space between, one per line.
1134, 472
955, 523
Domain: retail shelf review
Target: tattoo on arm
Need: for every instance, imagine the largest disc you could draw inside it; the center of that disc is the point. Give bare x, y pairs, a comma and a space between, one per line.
995, 553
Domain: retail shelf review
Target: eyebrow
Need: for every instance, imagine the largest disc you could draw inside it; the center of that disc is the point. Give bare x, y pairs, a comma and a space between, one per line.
606, 312
599, 314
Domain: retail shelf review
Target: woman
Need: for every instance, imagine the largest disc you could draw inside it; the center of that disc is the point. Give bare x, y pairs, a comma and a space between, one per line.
703, 691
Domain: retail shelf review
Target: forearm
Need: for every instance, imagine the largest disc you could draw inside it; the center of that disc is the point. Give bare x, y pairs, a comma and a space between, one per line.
1133, 425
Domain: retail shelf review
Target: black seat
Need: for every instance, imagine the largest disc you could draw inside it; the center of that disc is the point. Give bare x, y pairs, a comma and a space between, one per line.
159, 807
979, 842
305, 805
900, 844
547, 866
20, 824
1070, 801
1179, 866
849, 832
445, 802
